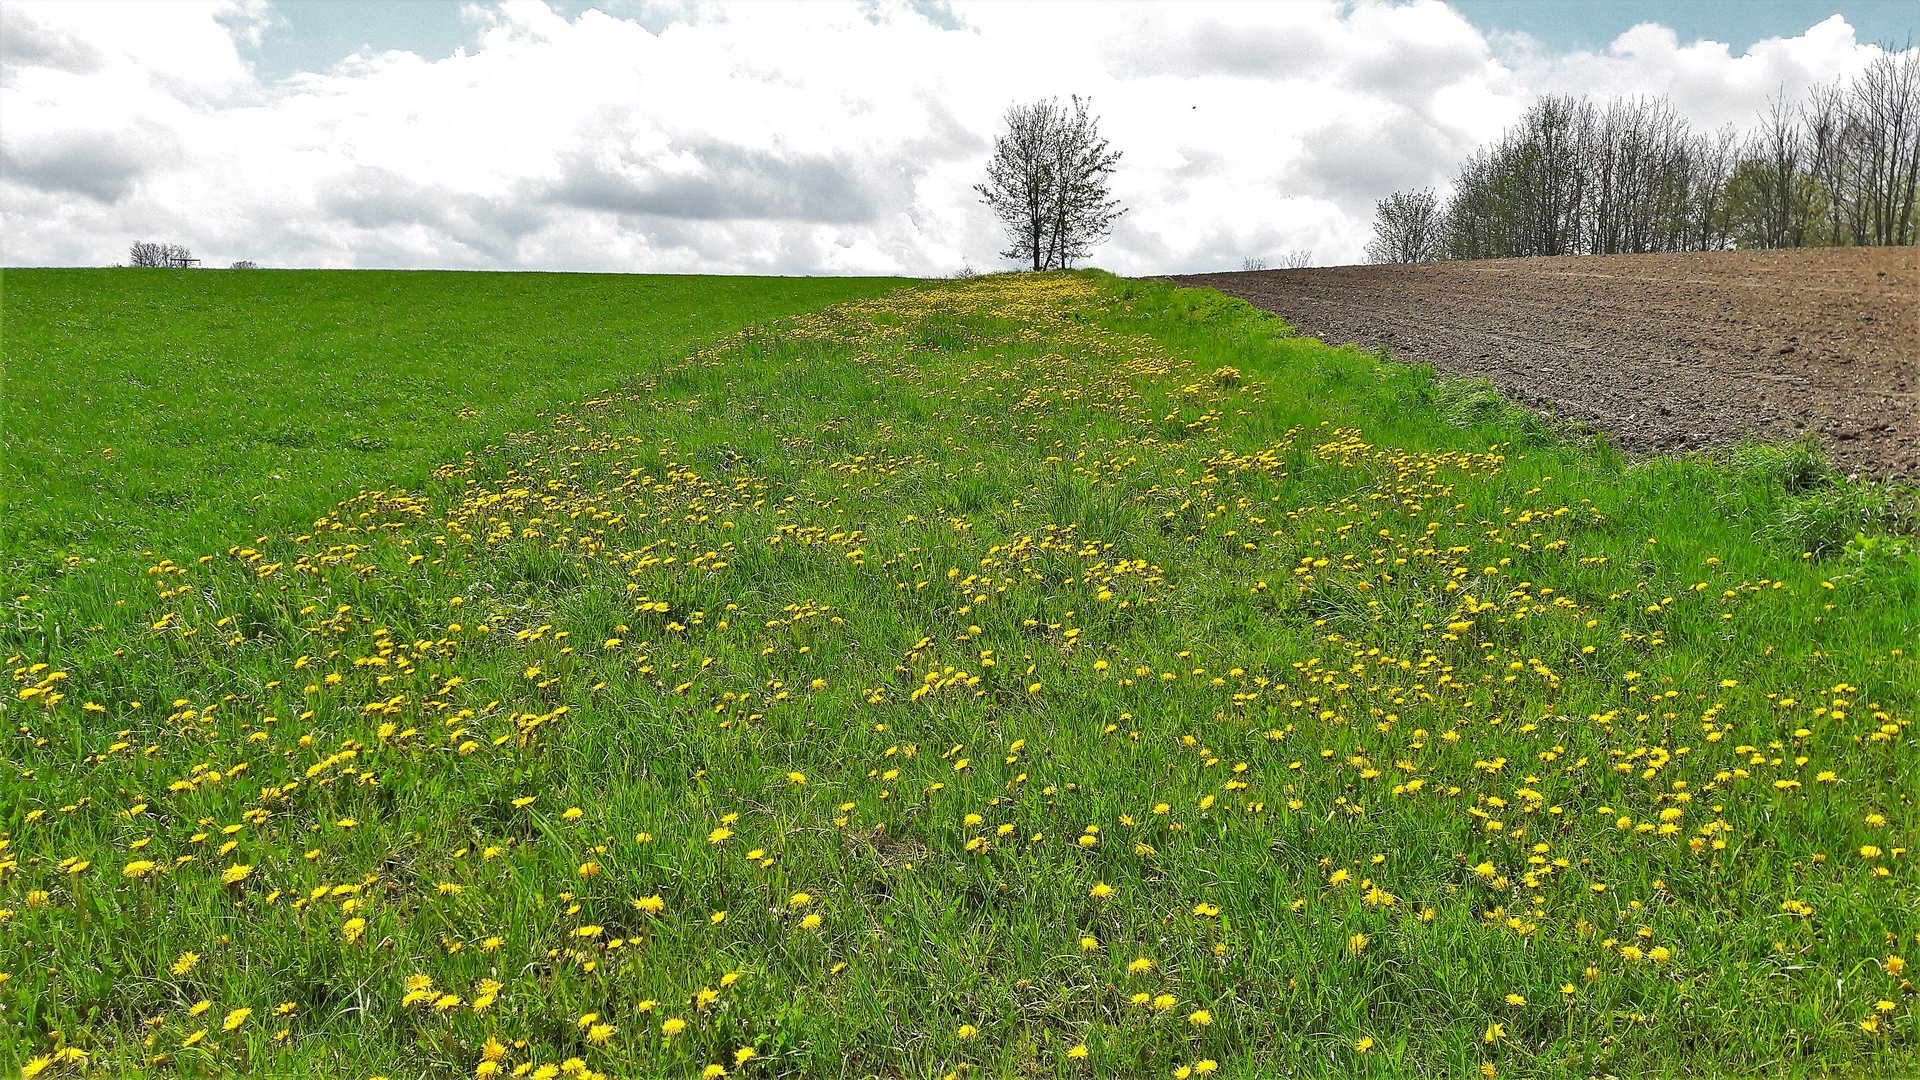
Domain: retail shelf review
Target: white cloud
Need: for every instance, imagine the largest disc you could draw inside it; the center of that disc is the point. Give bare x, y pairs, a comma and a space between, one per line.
789, 139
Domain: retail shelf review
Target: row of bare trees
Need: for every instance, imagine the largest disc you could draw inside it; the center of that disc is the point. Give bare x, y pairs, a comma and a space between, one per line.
1575, 177
153, 255
148, 253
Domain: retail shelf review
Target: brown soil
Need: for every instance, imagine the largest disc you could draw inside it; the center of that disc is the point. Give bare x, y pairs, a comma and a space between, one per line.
1665, 352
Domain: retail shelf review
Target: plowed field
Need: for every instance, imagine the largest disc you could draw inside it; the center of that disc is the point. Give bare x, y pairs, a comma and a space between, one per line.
1665, 352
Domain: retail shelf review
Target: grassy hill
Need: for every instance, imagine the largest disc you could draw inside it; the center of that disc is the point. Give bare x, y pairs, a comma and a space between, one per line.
1044, 674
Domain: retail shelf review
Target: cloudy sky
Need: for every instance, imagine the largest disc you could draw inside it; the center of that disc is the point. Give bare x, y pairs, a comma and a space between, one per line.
809, 138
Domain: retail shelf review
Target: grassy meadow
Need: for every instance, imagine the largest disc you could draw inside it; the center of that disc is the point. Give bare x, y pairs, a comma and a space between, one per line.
150, 407
1037, 675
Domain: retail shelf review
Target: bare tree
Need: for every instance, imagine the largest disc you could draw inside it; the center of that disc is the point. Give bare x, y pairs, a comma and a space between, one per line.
245, 264
1545, 161
1249, 265
1769, 193
1297, 259
1047, 183
1406, 228
1884, 110
1830, 160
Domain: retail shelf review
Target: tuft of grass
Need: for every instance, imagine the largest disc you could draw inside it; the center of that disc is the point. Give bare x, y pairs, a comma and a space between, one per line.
964, 679
1791, 493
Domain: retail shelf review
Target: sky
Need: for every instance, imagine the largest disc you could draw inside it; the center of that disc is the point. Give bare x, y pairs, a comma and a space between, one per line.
697, 137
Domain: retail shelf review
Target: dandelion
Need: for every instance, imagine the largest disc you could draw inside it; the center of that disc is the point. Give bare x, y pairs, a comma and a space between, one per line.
673, 1027
1357, 944
1200, 1018
235, 1018
185, 963
967, 1032
1077, 1052
1101, 891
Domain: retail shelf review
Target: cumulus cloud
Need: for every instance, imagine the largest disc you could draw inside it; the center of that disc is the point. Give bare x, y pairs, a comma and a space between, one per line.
779, 139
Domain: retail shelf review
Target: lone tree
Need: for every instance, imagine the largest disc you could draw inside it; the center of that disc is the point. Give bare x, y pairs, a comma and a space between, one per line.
1406, 228
1047, 183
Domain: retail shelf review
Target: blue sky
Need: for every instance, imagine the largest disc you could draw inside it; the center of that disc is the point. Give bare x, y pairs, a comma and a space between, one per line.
311, 35
1564, 24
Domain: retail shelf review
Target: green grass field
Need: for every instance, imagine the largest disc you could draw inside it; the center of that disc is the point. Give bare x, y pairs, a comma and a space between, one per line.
1035, 675
152, 408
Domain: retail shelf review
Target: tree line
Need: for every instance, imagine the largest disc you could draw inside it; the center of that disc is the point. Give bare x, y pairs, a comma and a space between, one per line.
1575, 177
150, 254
